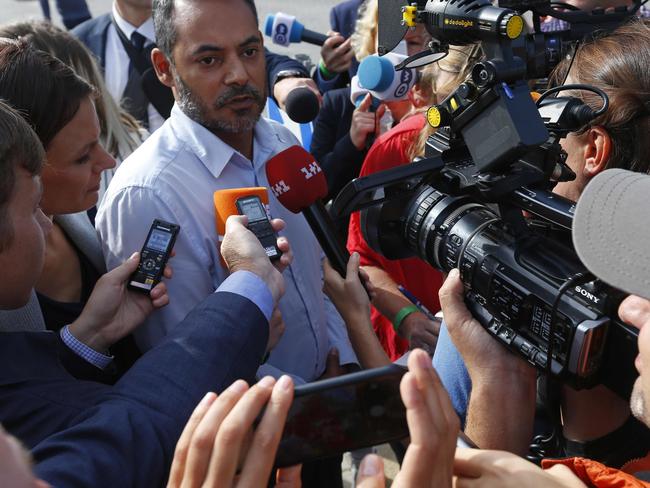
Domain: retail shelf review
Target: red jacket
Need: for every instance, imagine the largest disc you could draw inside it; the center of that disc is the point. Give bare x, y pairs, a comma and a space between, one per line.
415, 275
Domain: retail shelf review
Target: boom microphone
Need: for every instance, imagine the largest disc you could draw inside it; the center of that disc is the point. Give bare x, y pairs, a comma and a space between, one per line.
284, 29
298, 182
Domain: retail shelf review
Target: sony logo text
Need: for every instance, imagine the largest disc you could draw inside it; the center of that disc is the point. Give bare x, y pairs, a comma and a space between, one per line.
587, 294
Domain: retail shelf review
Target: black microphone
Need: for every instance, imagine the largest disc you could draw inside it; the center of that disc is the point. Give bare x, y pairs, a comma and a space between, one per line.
284, 29
302, 105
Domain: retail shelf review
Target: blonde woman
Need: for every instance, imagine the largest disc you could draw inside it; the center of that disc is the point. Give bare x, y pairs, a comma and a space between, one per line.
395, 320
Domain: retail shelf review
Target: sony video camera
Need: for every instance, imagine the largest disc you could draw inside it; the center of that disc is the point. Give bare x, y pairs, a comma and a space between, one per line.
480, 200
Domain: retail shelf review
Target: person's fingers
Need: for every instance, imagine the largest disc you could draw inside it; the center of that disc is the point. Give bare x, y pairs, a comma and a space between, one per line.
288, 477
418, 466
344, 47
232, 432
203, 438
160, 301
379, 113
278, 224
352, 270
125, 270
365, 104
283, 244
168, 272
236, 222
159, 290
435, 394
468, 463
261, 456
183, 444
371, 473
451, 296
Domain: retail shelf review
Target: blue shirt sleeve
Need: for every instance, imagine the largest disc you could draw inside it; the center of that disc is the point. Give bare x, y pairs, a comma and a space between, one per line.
251, 286
97, 359
450, 366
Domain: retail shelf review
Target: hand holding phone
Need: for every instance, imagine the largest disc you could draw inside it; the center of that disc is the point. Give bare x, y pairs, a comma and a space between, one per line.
154, 256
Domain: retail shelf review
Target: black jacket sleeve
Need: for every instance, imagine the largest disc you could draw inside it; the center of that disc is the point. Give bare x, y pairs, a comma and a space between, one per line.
276, 63
331, 144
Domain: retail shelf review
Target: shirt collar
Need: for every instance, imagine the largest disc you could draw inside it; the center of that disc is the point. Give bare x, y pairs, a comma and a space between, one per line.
216, 154
146, 29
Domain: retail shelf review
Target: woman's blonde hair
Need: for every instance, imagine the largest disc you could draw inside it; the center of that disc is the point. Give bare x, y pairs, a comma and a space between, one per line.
459, 63
363, 40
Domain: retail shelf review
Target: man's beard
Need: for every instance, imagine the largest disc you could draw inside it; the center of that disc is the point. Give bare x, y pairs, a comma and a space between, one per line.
195, 109
638, 405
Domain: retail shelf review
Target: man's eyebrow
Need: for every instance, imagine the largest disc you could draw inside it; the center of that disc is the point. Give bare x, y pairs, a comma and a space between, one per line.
250, 40
203, 48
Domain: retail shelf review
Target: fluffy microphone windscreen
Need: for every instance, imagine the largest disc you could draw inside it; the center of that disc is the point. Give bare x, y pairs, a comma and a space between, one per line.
225, 206
296, 179
302, 105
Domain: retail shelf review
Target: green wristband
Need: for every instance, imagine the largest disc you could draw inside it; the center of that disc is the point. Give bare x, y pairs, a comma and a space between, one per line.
327, 74
402, 314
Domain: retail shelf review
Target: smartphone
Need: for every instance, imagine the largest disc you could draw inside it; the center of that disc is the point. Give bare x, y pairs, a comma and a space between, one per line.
154, 256
337, 415
259, 224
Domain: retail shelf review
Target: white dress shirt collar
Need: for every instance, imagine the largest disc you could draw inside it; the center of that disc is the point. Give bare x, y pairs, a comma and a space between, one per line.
216, 154
146, 29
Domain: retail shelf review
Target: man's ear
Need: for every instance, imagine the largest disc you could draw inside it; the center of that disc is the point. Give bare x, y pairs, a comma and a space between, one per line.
598, 149
163, 67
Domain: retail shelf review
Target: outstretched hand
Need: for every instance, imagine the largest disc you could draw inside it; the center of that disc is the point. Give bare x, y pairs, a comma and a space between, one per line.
219, 438
433, 426
349, 294
112, 311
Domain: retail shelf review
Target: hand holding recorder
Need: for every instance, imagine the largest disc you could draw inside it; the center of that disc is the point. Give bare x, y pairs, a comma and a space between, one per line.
113, 311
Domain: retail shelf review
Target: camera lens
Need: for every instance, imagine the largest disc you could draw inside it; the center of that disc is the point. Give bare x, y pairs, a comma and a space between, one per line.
439, 227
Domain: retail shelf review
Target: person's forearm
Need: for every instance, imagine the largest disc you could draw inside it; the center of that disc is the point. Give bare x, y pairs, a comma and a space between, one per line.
594, 413
501, 412
364, 341
388, 299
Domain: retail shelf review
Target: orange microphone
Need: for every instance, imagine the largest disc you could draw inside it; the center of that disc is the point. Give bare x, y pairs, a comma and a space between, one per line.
225, 206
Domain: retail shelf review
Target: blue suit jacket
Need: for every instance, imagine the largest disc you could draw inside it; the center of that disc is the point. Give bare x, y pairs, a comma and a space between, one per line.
93, 33
89, 434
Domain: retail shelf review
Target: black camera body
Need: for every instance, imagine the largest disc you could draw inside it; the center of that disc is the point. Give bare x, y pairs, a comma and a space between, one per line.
496, 154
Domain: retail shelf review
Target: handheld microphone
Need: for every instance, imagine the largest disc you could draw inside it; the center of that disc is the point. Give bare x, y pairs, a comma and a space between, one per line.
377, 75
357, 92
302, 105
225, 206
284, 29
298, 182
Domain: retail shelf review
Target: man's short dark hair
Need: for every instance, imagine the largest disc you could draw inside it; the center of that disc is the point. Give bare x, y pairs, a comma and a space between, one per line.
163, 21
19, 148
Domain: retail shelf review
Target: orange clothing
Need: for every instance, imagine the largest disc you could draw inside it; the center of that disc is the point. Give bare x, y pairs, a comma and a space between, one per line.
595, 474
423, 281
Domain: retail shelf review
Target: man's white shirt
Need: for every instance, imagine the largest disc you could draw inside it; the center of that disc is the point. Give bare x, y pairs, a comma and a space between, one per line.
173, 176
116, 69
